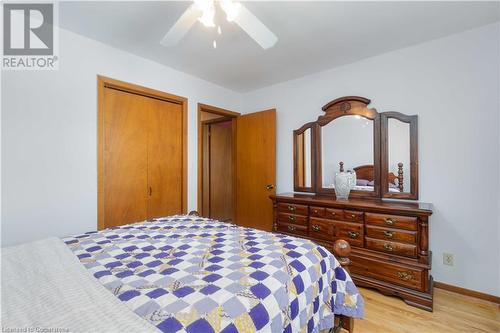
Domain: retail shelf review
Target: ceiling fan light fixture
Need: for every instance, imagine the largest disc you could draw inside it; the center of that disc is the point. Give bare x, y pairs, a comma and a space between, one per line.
207, 19
232, 9
204, 12
207, 9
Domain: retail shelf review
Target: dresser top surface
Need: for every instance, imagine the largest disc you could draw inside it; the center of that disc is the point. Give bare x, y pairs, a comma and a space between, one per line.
360, 203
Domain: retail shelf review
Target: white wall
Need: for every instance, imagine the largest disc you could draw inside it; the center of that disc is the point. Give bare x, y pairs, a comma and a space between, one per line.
453, 86
49, 135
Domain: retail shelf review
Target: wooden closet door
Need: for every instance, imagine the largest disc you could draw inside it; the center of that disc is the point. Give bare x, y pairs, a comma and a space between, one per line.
165, 159
125, 157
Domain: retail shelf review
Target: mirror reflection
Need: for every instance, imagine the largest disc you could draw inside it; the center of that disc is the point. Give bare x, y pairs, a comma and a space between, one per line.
348, 140
304, 158
399, 155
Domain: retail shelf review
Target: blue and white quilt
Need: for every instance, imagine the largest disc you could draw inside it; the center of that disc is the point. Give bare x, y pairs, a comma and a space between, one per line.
196, 275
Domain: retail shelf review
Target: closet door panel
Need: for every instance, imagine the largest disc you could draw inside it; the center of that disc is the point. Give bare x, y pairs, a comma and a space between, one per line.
165, 158
125, 159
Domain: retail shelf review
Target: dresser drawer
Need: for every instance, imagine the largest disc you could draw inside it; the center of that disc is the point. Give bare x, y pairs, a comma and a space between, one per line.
320, 228
317, 211
393, 221
292, 208
392, 234
292, 218
390, 272
336, 214
391, 247
353, 216
351, 232
299, 230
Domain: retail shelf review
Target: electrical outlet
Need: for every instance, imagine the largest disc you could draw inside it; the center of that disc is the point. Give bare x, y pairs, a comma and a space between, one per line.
448, 259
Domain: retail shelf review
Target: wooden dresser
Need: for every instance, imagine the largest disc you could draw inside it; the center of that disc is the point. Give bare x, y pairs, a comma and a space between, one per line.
389, 239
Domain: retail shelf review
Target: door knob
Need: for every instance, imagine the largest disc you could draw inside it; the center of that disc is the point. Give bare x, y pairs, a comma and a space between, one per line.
269, 186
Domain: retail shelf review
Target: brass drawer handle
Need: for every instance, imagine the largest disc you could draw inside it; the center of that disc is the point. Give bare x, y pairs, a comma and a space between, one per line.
333, 213
316, 227
315, 211
291, 228
291, 218
389, 221
388, 247
388, 234
405, 276
353, 234
353, 216
291, 208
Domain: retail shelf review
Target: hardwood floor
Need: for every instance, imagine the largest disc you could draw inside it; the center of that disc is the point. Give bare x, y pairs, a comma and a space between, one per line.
452, 313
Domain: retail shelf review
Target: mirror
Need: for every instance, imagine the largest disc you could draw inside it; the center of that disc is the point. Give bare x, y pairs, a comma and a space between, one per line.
381, 147
398, 145
303, 159
400, 157
348, 140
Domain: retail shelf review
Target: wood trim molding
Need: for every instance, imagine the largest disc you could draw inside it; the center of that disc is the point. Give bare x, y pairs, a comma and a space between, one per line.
140, 90
467, 292
219, 111
104, 82
100, 153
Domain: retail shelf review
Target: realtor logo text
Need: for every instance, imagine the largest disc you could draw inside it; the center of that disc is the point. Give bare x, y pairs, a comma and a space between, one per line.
29, 36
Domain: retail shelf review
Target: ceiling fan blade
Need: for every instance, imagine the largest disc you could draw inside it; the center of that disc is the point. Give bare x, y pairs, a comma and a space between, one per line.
255, 28
181, 27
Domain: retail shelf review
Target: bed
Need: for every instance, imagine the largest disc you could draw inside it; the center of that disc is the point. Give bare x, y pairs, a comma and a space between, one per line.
181, 273
365, 175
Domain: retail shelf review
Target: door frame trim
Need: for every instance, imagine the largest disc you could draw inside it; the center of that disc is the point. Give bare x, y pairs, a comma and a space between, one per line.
222, 112
104, 82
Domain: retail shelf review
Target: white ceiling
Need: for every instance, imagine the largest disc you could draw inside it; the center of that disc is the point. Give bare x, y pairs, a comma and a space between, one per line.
313, 36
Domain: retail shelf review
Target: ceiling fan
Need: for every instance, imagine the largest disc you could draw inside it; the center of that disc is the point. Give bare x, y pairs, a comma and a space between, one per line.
204, 12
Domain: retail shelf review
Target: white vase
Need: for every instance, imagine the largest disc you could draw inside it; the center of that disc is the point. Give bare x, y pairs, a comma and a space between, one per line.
343, 183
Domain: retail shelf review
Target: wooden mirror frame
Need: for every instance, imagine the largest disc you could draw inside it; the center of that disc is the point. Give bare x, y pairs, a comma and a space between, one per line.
355, 105
413, 122
348, 106
297, 174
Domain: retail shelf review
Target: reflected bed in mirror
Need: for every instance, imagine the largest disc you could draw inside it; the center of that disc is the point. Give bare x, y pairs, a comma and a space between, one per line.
399, 133
347, 140
365, 179
399, 151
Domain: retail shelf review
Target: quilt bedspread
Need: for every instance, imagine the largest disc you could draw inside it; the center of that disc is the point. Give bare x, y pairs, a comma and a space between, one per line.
191, 274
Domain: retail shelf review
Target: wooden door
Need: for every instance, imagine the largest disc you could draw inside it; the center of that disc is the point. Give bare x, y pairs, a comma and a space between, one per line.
141, 153
125, 158
221, 170
255, 169
164, 152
